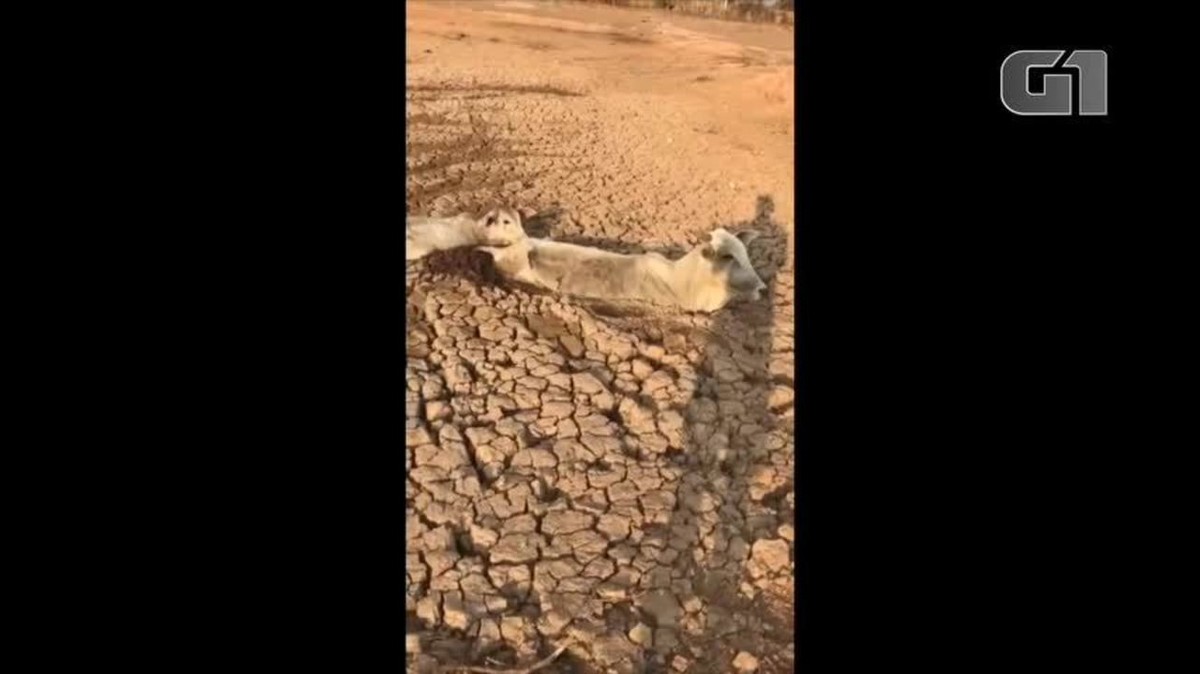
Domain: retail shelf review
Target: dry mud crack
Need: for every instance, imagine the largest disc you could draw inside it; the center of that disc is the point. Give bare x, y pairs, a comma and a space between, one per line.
617, 478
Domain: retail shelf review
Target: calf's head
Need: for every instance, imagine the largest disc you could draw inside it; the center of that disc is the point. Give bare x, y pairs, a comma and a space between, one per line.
727, 260
500, 227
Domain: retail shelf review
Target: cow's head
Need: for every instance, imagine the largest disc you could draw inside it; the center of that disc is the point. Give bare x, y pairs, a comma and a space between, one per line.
500, 227
728, 260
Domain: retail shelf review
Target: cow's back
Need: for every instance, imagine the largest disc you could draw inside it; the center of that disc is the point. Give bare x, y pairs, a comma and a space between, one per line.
619, 277
424, 234
555, 264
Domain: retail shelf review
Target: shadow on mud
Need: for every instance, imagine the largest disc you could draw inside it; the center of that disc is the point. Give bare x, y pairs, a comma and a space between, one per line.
737, 426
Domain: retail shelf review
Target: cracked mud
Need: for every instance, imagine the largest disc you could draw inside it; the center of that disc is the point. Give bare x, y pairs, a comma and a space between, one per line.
619, 477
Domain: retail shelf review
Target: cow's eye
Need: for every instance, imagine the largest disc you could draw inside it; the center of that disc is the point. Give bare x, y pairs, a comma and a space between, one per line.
726, 257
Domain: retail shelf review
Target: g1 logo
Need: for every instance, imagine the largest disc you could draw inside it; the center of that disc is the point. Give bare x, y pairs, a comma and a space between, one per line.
1055, 82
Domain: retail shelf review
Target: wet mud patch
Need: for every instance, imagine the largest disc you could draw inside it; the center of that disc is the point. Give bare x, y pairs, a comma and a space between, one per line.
612, 36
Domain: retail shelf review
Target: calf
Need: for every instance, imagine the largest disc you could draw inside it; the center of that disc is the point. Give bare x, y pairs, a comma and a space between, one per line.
706, 279
423, 235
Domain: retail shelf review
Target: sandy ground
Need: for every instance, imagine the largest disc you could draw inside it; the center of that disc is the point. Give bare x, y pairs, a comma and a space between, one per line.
615, 479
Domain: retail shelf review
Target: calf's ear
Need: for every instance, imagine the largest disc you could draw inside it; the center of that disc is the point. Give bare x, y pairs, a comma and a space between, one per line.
748, 235
526, 212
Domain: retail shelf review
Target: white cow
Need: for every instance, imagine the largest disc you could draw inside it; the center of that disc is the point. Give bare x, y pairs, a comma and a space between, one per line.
423, 235
706, 279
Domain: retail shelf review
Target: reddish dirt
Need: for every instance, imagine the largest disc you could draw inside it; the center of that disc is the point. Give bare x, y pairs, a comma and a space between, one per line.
574, 471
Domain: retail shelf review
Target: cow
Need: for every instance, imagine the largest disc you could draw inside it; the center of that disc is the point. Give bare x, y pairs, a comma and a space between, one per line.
710, 276
423, 235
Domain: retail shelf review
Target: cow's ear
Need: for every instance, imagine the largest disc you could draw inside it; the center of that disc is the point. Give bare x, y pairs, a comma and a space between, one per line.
748, 235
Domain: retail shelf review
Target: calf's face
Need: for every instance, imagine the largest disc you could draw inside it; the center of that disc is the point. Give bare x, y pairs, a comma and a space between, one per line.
500, 227
730, 263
